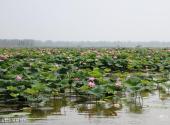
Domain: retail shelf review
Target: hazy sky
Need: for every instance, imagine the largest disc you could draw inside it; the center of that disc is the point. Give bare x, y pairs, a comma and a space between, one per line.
85, 19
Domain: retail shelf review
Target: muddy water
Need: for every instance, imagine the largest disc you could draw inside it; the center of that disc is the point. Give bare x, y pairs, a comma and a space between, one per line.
70, 111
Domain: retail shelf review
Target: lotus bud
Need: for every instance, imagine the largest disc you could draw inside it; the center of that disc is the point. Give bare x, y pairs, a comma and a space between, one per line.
18, 78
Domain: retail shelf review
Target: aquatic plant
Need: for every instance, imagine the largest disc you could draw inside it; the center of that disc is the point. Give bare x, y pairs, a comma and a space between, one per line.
35, 74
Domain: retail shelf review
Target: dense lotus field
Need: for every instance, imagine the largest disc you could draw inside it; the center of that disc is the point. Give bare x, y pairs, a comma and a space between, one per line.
38, 74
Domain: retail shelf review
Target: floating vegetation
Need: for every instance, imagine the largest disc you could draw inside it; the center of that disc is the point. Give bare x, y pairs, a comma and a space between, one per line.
33, 76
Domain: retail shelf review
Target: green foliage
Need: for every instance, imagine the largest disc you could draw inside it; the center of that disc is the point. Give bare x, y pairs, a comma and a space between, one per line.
47, 72
95, 73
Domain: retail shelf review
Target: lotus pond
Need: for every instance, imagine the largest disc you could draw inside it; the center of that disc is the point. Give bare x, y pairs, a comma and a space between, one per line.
84, 86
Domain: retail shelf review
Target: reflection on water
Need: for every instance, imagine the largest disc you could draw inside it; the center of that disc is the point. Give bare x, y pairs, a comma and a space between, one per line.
68, 111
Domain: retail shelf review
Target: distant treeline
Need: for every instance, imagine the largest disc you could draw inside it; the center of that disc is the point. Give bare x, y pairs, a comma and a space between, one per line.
16, 43
29, 43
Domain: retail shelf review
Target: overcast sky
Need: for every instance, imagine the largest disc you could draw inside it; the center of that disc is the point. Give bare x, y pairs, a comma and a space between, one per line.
111, 20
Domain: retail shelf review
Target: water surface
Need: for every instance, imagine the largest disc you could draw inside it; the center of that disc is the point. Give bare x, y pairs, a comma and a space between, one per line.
71, 111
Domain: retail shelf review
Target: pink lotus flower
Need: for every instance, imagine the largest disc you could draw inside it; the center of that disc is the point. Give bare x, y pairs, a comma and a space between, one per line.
76, 79
18, 78
3, 58
91, 84
91, 79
